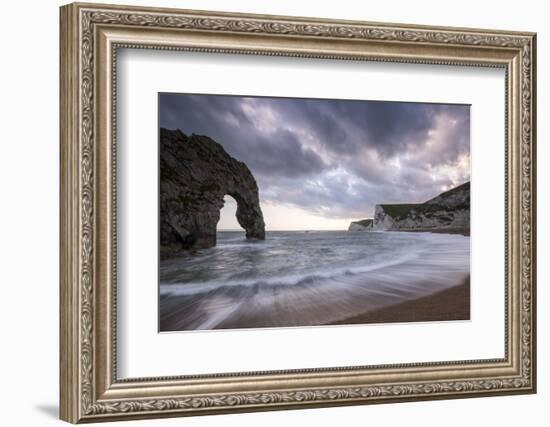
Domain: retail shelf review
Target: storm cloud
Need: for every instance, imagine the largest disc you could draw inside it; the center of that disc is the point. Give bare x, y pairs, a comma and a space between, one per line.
334, 158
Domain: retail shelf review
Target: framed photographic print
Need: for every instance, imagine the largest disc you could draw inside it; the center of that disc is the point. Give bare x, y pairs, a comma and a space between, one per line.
265, 212
310, 165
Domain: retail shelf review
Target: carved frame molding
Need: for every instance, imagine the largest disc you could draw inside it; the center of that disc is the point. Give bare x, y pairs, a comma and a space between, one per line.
90, 36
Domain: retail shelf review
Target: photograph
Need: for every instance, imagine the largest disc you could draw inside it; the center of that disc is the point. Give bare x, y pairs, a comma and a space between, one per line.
290, 212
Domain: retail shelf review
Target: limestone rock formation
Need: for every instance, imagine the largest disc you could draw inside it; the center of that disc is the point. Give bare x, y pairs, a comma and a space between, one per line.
195, 175
450, 209
361, 225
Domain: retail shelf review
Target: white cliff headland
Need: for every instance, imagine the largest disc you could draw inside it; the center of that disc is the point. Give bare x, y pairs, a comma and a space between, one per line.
361, 225
448, 211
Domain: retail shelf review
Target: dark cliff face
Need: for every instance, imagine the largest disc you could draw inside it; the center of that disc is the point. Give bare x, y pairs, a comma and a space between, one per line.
195, 175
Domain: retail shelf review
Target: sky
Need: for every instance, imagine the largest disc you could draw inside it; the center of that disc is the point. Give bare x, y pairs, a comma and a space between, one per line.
319, 163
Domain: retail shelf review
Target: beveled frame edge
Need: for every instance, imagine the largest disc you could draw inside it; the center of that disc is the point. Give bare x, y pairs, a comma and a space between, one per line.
88, 390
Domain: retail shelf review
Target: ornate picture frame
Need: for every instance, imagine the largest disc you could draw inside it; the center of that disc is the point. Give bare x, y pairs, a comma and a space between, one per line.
90, 37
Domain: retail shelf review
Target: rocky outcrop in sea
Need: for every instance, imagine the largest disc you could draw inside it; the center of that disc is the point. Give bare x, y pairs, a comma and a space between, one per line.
195, 175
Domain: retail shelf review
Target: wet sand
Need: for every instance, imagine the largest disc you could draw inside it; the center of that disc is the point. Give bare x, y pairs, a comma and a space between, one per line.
450, 304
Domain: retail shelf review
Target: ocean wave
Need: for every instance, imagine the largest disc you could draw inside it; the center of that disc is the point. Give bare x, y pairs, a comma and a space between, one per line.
192, 288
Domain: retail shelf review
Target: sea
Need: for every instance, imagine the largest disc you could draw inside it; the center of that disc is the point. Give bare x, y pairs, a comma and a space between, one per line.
305, 278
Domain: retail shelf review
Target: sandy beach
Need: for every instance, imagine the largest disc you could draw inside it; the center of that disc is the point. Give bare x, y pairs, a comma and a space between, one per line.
450, 304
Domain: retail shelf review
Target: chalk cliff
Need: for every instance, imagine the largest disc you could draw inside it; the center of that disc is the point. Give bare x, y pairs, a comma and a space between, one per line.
195, 175
450, 209
361, 225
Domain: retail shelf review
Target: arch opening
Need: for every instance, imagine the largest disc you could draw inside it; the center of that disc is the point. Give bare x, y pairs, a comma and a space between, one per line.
228, 221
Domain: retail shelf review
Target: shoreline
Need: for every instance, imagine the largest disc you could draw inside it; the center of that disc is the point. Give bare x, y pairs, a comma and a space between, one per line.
449, 304
439, 230
464, 231
430, 287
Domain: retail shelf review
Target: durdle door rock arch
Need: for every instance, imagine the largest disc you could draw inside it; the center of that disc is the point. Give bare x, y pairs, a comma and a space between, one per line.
195, 175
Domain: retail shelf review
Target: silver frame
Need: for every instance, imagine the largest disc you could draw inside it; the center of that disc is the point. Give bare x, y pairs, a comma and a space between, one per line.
90, 37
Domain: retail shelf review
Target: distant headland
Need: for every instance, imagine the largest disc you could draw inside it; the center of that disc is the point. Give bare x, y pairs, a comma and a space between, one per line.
449, 211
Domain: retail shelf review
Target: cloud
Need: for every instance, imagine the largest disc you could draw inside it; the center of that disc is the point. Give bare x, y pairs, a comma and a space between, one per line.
249, 131
335, 158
